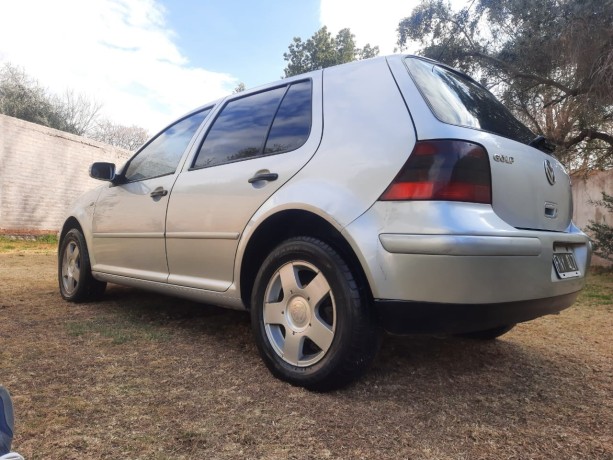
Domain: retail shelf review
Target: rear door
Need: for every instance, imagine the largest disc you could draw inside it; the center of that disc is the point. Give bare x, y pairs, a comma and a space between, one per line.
256, 143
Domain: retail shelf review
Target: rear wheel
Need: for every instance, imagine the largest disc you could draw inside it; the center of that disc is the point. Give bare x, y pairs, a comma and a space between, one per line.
74, 270
488, 334
312, 323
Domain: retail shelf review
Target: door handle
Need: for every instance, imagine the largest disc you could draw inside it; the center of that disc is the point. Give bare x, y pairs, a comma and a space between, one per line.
158, 193
268, 177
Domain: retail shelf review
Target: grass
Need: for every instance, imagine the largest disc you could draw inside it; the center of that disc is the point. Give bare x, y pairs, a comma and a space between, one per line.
139, 375
118, 330
41, 244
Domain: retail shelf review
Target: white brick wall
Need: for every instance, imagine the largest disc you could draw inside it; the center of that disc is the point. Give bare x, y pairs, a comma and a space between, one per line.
590, 188
42, 171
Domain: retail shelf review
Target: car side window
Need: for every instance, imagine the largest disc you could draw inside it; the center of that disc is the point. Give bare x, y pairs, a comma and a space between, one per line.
162, 155
274, 121
292, 124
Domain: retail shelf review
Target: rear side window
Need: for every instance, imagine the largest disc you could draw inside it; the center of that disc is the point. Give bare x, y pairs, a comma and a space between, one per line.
458, 100
292, 124
271, 122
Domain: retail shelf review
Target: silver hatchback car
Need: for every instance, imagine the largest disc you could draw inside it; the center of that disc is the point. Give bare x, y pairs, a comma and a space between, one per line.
393, 193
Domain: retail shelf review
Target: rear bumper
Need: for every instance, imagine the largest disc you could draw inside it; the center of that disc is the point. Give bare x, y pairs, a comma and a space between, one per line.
454, 260
405, 317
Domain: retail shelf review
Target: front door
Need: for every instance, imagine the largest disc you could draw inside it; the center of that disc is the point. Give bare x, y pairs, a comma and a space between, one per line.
130, 215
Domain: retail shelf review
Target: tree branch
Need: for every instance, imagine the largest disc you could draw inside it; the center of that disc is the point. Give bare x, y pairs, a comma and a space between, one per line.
519, 74
589, 133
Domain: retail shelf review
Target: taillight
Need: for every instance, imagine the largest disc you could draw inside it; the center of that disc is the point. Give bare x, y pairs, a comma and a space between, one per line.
443, 170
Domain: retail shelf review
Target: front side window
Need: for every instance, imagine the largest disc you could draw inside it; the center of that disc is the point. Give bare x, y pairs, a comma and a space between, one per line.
162, 155
274, 121
457, 100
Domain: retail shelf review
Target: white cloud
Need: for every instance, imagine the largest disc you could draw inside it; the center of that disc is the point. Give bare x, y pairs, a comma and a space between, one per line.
119, 52
373, 22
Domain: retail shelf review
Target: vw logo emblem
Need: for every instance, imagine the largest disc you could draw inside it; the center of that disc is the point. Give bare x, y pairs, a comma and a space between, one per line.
549, 172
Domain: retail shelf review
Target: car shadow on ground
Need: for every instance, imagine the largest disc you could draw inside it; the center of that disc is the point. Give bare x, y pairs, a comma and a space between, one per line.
433, 367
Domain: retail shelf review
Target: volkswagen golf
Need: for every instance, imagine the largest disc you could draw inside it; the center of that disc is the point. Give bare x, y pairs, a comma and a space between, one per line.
394, 193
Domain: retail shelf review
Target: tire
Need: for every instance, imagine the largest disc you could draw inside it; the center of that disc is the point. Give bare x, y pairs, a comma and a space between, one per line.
74, 270
304, 288
488, 334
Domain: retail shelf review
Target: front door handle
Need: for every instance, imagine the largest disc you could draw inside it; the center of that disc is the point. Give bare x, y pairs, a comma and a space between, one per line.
158, 193
268, 177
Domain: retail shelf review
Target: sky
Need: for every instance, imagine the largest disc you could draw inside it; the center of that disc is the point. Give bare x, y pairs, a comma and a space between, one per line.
150, 61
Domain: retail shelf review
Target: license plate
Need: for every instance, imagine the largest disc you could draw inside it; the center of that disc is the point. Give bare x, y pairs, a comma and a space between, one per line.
565, 265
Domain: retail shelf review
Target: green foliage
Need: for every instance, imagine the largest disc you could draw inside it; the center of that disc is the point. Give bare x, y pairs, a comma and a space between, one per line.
601, 232
550, 61
324, 50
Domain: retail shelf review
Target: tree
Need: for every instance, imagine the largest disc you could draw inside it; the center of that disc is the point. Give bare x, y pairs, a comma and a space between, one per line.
239, 88
551, 63
323, 50
77, 113
602, 232
125, 137
21, 96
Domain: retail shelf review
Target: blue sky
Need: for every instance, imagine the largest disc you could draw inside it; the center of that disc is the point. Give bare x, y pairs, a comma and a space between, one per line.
245, 39
150, 61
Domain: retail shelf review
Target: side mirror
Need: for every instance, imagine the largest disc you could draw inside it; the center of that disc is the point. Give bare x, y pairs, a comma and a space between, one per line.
102, 171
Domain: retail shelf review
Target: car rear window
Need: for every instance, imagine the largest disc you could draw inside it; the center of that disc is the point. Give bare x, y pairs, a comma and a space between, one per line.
458, 100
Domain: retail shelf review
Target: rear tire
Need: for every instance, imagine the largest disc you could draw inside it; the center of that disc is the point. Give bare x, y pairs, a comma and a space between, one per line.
312, 323
488, 334
74, 270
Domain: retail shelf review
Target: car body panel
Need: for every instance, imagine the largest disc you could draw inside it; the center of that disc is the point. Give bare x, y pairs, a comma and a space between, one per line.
447, 268
128, 230
367, 118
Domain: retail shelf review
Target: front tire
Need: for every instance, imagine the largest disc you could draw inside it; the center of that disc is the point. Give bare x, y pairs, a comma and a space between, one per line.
74, 270
312, 323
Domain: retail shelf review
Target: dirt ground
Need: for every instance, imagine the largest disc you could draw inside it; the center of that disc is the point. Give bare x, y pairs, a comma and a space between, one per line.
145, 376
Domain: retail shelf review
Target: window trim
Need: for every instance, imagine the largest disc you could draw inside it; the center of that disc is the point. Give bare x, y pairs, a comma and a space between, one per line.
121, 177
262, 147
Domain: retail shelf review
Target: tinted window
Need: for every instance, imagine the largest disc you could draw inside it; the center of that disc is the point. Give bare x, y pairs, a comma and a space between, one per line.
240, 129
162, 155
293, 121
457, 100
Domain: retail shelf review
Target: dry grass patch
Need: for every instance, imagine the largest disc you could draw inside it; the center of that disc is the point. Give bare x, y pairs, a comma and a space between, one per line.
139, 375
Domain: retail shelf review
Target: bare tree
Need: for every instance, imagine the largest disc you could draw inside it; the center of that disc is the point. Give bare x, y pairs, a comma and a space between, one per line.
78, 113
125, 137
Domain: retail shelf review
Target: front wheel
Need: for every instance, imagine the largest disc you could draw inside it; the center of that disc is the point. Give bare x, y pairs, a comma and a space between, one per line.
74, 270
312, 323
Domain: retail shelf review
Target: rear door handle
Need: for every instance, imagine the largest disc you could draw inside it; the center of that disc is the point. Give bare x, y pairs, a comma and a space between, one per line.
158, 193
268, 177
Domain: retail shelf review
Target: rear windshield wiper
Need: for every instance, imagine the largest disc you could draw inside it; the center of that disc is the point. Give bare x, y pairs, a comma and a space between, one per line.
541, 143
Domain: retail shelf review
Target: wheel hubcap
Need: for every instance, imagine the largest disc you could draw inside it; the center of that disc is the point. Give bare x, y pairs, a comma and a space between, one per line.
299, 313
